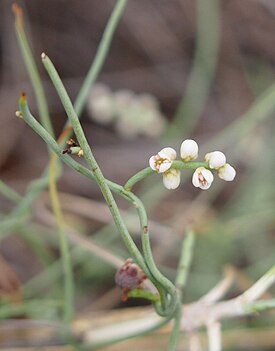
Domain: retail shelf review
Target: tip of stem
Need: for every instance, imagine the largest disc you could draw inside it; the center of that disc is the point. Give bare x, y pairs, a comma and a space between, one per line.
23, 98
43, 56
17, 10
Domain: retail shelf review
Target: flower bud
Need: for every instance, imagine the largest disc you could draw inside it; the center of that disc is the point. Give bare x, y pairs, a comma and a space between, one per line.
171, 178
227, 172
202, 178
216, 159
189, 150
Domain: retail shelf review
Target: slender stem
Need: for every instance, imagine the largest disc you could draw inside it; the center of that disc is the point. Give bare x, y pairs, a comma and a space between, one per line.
9, 311
113, 208
174, 337
45, 118
214, 336
19, 213
259, 306
257, 289
9, 192
100, 56
32, 69
114, 337
203, 70
144, 294
90, 159
32, 122
64, 247
182, 273
162, 281
22, 210
185, 260
144, 173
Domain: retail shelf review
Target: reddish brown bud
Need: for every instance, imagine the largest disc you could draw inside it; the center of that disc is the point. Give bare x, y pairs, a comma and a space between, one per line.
129, 276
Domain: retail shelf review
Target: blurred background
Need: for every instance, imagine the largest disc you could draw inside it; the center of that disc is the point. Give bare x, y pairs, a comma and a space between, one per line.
176, 69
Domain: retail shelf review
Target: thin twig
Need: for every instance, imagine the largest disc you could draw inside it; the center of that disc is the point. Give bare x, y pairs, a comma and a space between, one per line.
214, 336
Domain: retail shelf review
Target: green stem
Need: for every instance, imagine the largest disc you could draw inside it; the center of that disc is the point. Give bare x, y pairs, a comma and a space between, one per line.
23, 208
32, 122
90, 159
100, 56
32, 70
64, 247
203, 70
174, 337
185, 260
182, 273
259, 306
144, 173
143, 294
162, 281
9, 311
45, 118
9, 193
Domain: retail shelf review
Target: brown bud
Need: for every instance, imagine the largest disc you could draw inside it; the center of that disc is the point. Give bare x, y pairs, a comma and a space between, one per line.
130, 276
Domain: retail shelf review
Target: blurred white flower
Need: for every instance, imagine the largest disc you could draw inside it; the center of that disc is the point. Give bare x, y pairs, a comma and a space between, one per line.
189, 150
100, 104
163, 160
216, 159
138, 115
202, 178
171, 178
227, 172
123, 101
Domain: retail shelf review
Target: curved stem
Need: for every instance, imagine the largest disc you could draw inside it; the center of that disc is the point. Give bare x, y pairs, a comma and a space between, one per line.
32, 122
147, 252
146, 172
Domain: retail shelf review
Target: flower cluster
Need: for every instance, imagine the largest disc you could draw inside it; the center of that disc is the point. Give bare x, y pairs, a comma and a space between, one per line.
131, 114
202, 177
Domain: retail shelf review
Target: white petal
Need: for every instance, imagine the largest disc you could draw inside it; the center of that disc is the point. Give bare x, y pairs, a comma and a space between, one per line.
171, 179
227, 172
152, 163
189, 150
168, 153
195, 178
165, 166
207, 175
216, 159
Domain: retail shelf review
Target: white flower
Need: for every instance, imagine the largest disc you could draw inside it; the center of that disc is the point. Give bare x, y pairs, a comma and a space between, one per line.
171, 178
100, 104
216, 159
227, 172
202, 178
163, 160
189, 150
